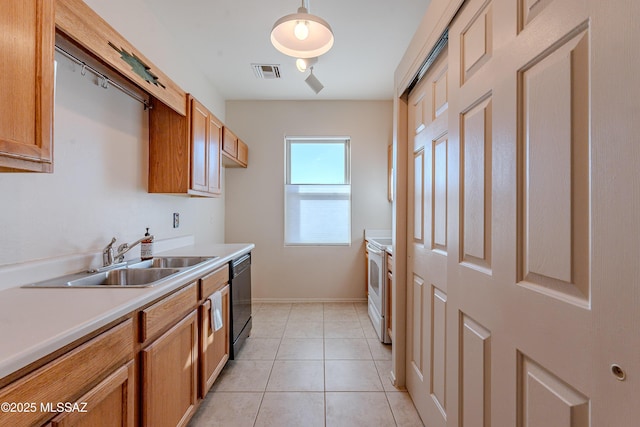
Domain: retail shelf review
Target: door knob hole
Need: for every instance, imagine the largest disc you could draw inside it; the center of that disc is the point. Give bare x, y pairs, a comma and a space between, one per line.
618, 372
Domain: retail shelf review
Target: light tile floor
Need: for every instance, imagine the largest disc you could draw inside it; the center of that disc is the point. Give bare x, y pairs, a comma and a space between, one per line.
306, 365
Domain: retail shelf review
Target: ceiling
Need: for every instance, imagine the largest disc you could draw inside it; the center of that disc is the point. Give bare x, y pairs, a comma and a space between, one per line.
224, 37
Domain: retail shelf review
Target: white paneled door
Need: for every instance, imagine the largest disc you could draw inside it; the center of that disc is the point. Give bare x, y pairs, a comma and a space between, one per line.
523, 226
428, 243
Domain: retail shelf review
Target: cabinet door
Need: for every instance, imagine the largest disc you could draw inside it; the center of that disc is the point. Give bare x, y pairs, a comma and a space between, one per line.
230, 143
169, 376
199, 147
69, 375
215, 163
366, 269
109, 404
214, 345
243, 153
389, 306
26, 84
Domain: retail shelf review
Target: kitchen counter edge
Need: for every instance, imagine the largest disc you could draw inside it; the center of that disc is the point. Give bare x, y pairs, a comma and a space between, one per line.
31, 330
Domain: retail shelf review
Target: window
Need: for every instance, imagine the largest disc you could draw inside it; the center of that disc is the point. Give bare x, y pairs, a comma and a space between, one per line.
317, 192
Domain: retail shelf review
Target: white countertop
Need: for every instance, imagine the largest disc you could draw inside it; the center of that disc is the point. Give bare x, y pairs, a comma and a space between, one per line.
35, 322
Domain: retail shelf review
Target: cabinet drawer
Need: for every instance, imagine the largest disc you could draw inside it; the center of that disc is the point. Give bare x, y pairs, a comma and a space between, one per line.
168, 311
230, 143
66, 378
389, 262
214, 281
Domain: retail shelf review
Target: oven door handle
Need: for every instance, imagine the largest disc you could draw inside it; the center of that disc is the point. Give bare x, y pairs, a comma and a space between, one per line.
372, 249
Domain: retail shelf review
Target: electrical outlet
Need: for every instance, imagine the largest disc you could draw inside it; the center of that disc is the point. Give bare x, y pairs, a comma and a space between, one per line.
176, 220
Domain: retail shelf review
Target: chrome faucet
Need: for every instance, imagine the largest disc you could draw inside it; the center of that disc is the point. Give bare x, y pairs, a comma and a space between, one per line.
125, 247
109, 257
107, 254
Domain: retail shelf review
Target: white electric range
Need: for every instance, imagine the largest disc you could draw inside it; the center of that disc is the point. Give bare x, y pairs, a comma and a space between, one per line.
378, 298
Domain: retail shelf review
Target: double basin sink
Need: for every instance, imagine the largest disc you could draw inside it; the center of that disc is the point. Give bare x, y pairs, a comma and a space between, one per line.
134, 274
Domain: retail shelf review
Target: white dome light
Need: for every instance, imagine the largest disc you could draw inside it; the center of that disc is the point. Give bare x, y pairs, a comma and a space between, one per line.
302, 35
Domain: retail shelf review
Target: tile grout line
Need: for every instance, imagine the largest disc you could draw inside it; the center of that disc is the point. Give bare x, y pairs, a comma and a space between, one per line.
273, 362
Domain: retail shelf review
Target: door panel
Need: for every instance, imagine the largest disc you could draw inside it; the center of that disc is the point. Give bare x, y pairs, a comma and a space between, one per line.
428, 222
439, 194
475, 185
547, 401
475, 374
439, 350
418, 195
417, 346
513, 219
554, 192
531, 183
476, 41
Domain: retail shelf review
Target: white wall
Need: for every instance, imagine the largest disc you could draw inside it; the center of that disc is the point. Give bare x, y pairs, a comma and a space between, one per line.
99, 185
255, 196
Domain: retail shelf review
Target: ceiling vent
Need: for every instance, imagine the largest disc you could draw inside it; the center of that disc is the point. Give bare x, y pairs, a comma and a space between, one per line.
266, 71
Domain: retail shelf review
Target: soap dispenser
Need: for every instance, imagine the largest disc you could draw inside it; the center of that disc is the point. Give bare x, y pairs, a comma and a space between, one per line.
146, 246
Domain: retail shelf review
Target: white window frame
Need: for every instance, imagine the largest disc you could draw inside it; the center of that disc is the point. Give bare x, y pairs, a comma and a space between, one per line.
345, 188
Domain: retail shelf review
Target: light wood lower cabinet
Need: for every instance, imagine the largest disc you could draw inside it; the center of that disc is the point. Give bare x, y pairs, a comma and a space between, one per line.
79, 373
170, 375
214, 345
389, 284
167, 312
109, 404
153, 374
366, 269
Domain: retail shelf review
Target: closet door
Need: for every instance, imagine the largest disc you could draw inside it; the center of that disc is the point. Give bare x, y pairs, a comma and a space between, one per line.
428, 243
540, 290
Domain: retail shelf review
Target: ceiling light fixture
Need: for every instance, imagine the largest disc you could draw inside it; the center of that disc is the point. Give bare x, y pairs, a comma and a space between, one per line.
302, 35
314, 83
303, 64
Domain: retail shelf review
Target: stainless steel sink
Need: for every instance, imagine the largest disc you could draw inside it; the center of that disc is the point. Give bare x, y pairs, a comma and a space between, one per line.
125, 277
138, 274
170, 262
118, 278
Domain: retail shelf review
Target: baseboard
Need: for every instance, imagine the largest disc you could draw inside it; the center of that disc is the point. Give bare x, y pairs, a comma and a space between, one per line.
303, 300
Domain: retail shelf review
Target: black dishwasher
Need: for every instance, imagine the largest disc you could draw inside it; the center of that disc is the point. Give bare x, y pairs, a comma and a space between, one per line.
240, 302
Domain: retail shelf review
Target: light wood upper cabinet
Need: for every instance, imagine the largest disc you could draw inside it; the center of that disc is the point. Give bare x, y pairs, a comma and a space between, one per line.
184, 152
243, 153
390, 172
235, 153
214, 183
199, 139
26, 85
230, 143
